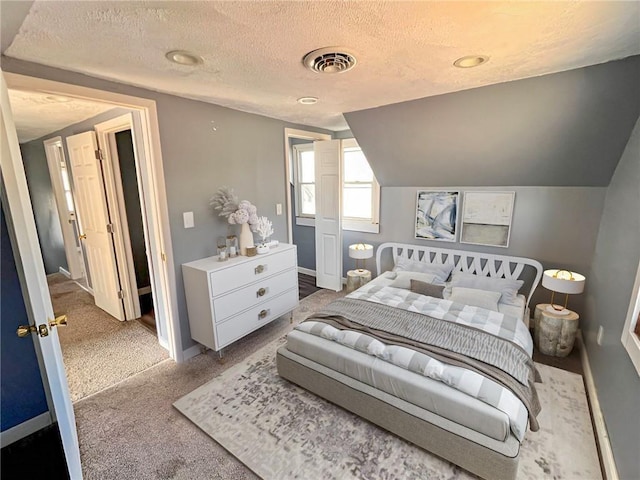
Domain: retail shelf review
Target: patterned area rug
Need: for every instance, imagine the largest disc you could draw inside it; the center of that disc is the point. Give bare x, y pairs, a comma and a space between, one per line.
281, 431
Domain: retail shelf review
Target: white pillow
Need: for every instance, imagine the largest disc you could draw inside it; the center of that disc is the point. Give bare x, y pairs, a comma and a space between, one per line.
403, 279
440, 271
508, 288
476, 297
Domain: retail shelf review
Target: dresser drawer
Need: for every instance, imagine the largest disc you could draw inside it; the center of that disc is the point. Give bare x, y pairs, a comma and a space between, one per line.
227, 305
254, 318
227, 279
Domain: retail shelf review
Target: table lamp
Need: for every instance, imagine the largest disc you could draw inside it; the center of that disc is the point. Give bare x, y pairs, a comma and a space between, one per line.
360, 252
562, 281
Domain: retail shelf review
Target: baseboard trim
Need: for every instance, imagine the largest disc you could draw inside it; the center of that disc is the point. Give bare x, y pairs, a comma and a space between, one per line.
604, 445
307, 271
191, 352
25, 429
64, 272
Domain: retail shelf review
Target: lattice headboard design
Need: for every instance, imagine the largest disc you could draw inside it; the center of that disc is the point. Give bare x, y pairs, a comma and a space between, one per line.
484, 264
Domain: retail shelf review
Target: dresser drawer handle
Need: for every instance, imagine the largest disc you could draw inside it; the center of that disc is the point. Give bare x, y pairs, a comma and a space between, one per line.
263, 313
261, 292
259, 269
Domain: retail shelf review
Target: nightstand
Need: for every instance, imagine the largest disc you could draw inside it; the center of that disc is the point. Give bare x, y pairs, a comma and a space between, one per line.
357, 278
554, 334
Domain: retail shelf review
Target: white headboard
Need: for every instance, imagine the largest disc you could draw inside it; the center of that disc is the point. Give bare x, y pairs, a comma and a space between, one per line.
485, 264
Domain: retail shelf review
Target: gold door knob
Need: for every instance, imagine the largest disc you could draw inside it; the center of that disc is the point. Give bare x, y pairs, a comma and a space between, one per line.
59, 321
263, 314
83, 236
261, 292
259, 269
25, 330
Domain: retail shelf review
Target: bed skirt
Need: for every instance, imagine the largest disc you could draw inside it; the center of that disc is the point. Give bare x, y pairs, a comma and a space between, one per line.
475, 452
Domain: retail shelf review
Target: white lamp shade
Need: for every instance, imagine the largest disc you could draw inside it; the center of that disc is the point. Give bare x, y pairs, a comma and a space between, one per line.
360, 251
563, 281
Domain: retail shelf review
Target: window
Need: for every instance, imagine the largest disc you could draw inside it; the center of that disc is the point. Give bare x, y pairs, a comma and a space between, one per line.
631, 332
360, 189
305, 181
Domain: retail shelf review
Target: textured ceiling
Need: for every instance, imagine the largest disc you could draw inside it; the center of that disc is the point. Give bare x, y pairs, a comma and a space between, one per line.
37, 114
252, 51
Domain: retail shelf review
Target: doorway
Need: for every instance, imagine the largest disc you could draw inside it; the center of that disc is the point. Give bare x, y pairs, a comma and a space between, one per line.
154, 204
300, 231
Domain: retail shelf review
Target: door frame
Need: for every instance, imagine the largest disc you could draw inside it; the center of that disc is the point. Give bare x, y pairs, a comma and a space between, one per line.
52, 148
105, 132
290, 133
156, 208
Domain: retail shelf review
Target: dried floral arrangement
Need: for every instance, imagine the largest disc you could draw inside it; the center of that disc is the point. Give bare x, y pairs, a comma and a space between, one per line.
236, 212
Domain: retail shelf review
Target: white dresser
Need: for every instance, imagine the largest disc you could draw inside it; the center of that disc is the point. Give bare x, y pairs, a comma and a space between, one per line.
228, 300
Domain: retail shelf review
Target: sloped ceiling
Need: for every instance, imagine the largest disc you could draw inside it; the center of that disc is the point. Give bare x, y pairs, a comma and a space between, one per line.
566, 129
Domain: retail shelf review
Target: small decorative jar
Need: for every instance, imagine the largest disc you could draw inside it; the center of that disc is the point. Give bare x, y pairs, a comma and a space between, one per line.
232, 246
262, 248
222, 249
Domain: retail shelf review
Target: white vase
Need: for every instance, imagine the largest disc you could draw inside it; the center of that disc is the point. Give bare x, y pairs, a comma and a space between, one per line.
246, 238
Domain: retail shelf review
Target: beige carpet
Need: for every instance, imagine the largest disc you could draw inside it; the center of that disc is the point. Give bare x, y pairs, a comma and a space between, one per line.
281, 431
131, 430
98, 350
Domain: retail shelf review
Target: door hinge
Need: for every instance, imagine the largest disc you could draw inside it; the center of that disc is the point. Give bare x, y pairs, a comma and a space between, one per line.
99, 155
110, 228
120, 294
163, 256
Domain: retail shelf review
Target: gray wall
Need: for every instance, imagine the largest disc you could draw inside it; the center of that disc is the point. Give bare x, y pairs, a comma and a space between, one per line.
568, 128
245, 152
43, 201
557, 226
608, 290
45, 210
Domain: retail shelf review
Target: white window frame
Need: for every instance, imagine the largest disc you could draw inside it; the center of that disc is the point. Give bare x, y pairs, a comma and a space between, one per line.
629, 339
351, 224
301, 218
371, 225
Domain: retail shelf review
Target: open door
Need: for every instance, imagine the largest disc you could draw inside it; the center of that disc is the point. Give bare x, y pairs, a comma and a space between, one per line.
97, 229
34, 283
328, 214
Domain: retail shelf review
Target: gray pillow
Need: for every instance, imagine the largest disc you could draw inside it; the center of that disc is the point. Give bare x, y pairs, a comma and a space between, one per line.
425, 288
403, 279
476, 297
508, 288
440, 271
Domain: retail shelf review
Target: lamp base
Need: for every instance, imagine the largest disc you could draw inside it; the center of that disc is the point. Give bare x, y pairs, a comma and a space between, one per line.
552, 309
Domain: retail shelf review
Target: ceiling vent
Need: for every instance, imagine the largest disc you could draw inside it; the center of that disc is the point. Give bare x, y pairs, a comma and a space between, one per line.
329, 60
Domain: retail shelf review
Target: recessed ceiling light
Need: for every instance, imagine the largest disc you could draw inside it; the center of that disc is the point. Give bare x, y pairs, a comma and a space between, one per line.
183, 57
307, 100
471, 61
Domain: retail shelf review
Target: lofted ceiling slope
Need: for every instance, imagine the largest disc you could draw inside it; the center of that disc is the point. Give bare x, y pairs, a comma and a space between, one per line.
565, 129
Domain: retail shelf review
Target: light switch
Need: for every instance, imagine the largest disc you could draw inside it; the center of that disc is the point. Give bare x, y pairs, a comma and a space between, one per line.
278, 209
187, 218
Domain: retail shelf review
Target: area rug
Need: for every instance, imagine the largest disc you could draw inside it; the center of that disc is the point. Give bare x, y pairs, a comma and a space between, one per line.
281, 431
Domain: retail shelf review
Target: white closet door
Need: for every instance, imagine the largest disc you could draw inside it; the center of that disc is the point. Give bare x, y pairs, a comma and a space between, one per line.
328, 214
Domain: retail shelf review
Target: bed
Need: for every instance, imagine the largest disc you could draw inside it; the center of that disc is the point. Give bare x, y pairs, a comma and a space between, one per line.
422, 351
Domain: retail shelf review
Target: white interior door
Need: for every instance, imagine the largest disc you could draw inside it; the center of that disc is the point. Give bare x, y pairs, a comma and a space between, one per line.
33, 281
96, 226
328, 214
65, 205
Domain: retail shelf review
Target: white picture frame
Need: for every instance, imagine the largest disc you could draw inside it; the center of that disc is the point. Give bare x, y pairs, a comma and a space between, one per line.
487, 217
437, 215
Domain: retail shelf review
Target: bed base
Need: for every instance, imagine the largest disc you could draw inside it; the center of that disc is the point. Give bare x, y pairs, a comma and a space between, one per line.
471, 456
